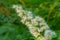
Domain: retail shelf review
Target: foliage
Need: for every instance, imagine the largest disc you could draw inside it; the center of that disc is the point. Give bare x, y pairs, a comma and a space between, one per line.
12, 29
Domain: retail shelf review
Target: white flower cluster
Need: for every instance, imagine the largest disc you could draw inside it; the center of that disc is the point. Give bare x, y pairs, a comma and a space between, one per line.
36, 24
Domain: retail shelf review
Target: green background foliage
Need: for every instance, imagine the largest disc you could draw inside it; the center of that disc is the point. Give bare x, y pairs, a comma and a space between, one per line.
12, 29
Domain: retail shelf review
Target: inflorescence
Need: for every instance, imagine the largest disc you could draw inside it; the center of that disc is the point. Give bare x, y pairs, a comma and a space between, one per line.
36, 24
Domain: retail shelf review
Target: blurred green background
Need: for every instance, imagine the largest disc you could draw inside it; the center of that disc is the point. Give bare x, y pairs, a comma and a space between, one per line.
12, 29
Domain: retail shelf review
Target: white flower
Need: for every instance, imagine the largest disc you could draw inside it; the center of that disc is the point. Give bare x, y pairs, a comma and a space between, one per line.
29, 17
29, 14
34, 22
19, 9
34, 31
24, 19
44, 28
21, 14
27, 23
42, 24
14, 6
42, 38
40, 19
49, 34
